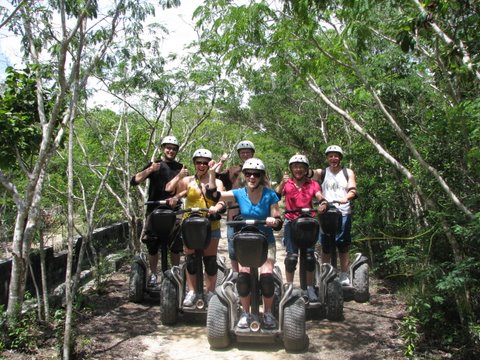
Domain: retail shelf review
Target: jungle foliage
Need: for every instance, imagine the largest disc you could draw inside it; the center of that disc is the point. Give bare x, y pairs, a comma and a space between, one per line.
395, 83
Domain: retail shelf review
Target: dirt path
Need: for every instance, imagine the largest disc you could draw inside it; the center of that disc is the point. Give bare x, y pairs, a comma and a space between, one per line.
118, 329
115, 328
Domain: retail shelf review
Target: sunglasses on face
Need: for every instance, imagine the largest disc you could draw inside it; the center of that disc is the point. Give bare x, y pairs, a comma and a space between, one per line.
201, 163
171, 148
254, 174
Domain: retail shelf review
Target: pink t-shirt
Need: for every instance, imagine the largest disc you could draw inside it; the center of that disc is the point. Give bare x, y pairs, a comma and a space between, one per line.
299, 198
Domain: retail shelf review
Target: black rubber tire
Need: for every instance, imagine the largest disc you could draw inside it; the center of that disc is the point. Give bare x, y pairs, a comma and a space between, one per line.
168, 303
217, 324
360, 284
136, 285
294, 333
334, 301
220, 277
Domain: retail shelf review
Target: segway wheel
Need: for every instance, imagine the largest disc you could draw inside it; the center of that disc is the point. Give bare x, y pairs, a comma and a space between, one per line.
360, 284
136, 283
217, 324
294, 333
334, 301
168, 303
220, 277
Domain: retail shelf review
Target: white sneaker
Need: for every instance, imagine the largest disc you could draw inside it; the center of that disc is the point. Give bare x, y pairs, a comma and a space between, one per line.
152, 280
190, 299
269, 321
244, 321
344, 281
312, 295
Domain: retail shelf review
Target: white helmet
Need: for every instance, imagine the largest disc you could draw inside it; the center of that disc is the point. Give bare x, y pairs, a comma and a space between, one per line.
204, 153
172, 140
253, 164
302, 159
334, 148
245, 144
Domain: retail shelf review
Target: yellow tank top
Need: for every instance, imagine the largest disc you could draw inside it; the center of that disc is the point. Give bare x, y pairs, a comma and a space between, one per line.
195, 199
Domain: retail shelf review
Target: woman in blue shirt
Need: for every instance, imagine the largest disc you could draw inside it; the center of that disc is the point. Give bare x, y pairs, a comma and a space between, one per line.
256, 201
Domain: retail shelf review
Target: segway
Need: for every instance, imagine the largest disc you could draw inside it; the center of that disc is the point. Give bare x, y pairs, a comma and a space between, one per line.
196, 232
305, 230
251, 247
162, 223
358, 271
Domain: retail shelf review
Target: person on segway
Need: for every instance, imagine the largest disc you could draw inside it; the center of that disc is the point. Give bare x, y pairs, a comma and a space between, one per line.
339, 187
193, 188
256, 201
160, 172
232, 179
299, 192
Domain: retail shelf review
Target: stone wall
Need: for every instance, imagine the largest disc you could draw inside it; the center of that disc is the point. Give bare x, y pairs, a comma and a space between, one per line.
105, 240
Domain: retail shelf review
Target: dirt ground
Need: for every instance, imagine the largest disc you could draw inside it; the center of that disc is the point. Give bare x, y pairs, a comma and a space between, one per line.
115, 328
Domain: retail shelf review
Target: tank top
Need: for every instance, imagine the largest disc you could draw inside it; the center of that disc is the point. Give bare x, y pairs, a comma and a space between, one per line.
195, 199
334, 187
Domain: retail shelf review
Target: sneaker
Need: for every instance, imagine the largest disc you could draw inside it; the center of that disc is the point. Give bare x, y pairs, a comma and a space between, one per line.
208, 296
152, 280
269, 321
344, 281
190, 299
312, 295
244, 322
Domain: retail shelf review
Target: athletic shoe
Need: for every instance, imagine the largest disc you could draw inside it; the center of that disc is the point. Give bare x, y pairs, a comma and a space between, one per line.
152, 280
244, 322
344, 281
269, 321
190, 299
312, 295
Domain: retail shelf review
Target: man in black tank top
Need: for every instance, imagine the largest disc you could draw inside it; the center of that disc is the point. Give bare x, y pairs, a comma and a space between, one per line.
160, 172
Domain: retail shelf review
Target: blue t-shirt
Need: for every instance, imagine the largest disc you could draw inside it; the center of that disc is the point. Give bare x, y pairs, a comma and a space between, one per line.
259, 211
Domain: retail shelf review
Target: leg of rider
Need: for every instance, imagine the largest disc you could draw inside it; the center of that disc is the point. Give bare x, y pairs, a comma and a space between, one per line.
190, 261
210, 264
291, 259
153, 262
267, 268
343, 242
244, 293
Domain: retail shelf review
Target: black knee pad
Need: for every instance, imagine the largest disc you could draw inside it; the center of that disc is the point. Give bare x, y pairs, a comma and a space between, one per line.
210, 264
243, 284
291, 263
152, 243
191, 266
342, 248
267, 285
310, 262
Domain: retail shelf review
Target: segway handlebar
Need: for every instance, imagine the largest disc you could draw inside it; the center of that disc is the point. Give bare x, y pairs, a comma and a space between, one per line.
302, 210
246, 222
156, 202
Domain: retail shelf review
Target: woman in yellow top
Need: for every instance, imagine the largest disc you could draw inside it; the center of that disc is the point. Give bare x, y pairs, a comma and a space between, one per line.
193, 188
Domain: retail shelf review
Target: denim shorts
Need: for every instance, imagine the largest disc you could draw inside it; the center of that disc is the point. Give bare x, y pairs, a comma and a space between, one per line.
290, 247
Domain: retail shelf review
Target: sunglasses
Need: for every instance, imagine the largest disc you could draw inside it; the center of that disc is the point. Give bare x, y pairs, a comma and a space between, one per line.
254, 174
171, 148
201, 163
